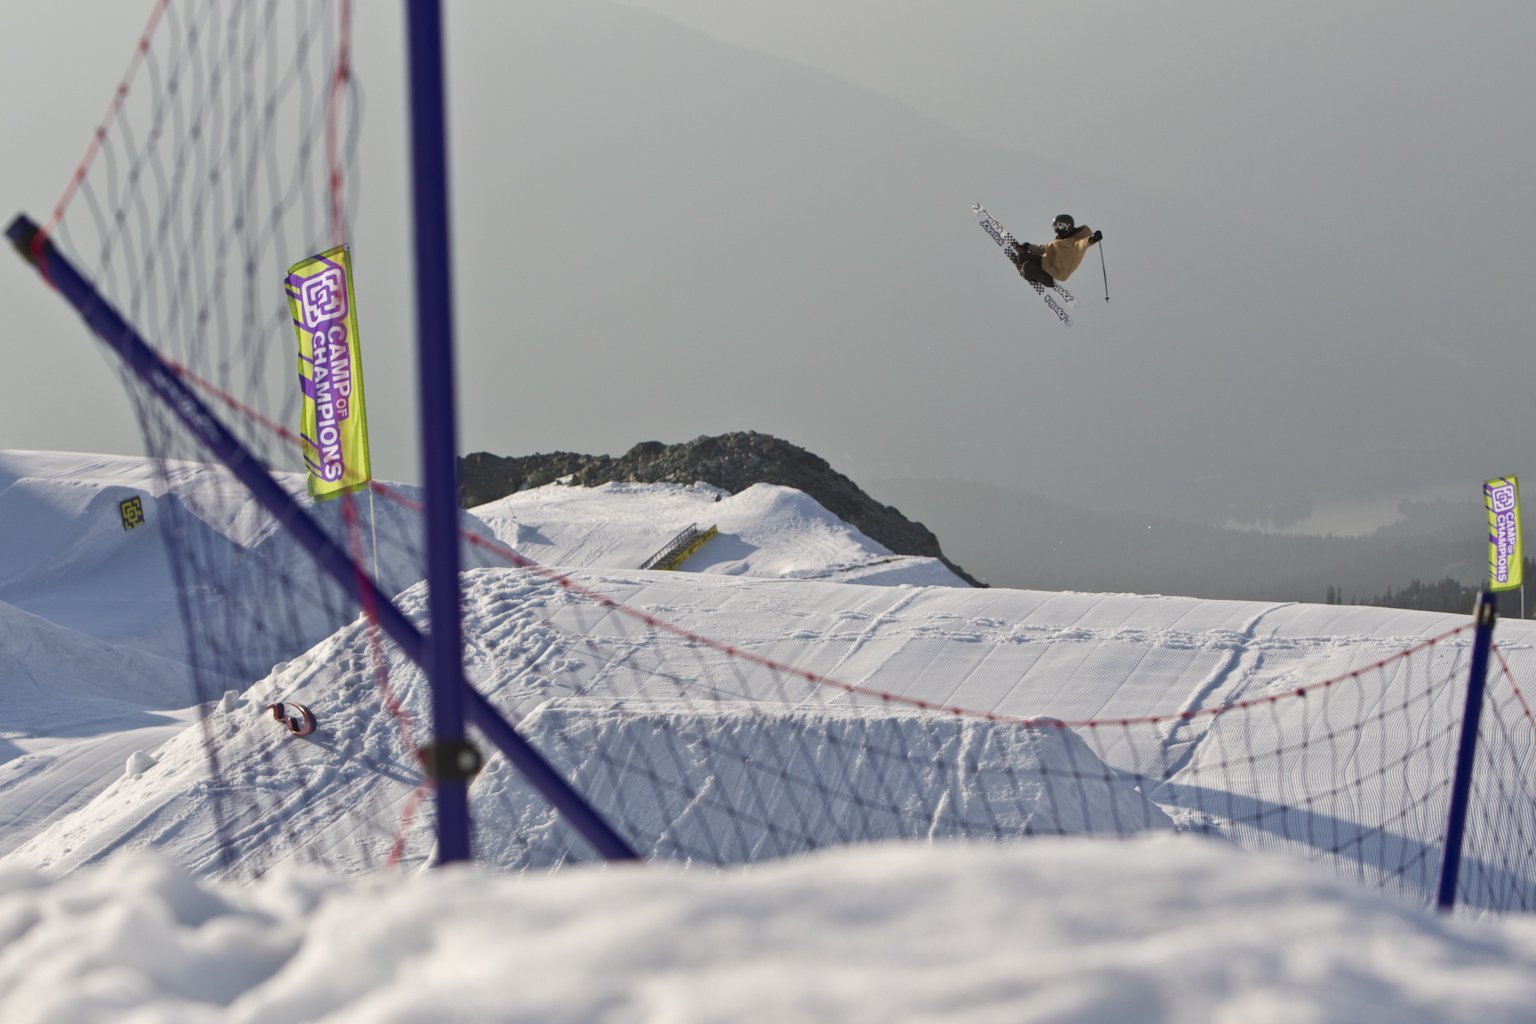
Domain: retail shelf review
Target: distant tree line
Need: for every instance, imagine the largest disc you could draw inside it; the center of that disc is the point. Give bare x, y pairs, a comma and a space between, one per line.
1448, 595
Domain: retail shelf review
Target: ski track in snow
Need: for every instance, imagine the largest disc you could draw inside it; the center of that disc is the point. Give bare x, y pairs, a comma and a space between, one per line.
1245, 654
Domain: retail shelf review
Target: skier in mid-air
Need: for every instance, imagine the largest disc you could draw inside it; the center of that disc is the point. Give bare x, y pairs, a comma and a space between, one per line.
1057, 259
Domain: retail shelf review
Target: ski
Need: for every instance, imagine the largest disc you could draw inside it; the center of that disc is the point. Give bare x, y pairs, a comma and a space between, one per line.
1011, 248
1050, 300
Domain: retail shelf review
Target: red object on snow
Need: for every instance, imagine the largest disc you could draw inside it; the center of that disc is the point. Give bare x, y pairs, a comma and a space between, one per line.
301, 722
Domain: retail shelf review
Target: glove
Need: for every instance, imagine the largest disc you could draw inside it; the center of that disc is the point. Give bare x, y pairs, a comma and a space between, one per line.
1096, 237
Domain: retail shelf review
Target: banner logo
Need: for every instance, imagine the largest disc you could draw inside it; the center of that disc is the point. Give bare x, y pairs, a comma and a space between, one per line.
324, 297
132, 512
333, 421
1501, 498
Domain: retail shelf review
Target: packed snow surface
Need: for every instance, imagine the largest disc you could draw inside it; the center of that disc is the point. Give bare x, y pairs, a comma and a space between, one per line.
109, 908
1169, 929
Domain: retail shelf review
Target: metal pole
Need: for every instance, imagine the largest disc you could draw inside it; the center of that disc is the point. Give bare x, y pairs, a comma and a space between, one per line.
1485, 615
439, 445
108, 325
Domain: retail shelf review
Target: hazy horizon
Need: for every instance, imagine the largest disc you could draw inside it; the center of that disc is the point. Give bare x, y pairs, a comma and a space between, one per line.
707, 216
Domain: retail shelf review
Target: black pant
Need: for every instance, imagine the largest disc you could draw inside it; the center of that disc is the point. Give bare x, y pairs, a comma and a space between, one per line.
1031, 270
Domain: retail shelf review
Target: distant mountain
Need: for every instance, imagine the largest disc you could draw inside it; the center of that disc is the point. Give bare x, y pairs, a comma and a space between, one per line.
732, 462
1024, 541
1020, 540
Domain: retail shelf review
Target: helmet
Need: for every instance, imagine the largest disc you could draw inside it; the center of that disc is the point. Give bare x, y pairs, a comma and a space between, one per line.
1064, 225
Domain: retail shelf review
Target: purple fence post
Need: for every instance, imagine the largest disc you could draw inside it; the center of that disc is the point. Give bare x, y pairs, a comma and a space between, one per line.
454, 761
1485, 615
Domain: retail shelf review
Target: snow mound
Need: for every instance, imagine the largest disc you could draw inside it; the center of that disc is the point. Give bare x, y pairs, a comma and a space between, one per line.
766, 530
139, 762
599, 689
67, 556
712, 782
275, 794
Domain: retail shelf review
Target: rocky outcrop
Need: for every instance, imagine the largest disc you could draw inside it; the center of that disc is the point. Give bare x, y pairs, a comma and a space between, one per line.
731, 462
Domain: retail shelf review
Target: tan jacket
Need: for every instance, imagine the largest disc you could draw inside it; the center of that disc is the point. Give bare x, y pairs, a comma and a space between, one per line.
1062, 256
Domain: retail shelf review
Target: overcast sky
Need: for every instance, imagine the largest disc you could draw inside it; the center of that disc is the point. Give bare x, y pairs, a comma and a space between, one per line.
1316, 220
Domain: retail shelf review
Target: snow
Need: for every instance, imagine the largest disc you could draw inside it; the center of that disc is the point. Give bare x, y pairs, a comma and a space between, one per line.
1153, 929
111, 899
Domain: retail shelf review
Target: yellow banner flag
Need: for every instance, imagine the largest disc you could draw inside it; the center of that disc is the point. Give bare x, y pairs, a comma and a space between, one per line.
1501, 496
334, 422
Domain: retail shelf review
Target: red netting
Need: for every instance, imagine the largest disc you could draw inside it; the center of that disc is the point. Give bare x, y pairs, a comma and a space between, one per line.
710, 720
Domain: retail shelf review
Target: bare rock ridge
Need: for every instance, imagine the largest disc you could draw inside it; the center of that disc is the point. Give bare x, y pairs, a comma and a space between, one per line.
732, 462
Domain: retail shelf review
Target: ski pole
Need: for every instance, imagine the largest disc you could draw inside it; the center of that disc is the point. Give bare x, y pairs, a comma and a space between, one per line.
1105, 269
